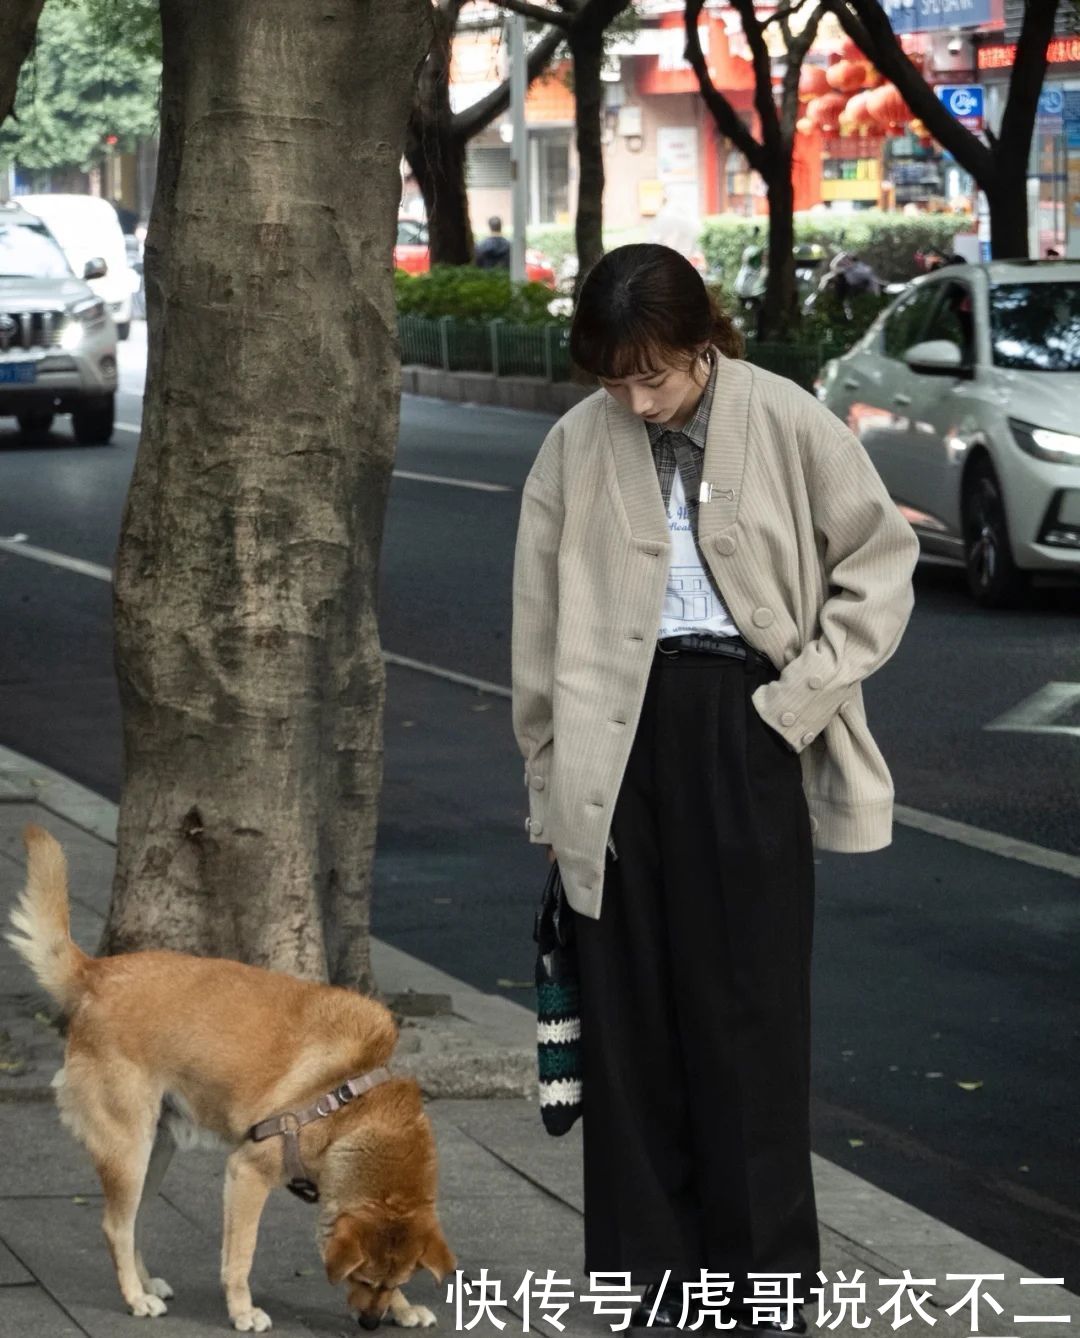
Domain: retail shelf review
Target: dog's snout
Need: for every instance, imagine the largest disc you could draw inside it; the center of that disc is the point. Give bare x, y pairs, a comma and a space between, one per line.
368, 1321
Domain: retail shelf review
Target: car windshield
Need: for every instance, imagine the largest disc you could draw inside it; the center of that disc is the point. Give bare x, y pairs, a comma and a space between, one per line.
1035, 327
27, 251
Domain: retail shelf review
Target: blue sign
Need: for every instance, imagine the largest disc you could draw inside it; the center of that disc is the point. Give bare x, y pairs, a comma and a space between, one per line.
965, 101
1052, 101
923, 16
1070, 116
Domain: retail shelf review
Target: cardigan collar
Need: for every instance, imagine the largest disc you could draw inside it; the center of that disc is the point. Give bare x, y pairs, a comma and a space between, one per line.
725, 458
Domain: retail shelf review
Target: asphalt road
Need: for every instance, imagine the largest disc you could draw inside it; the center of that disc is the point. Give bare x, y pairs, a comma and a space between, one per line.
936, 964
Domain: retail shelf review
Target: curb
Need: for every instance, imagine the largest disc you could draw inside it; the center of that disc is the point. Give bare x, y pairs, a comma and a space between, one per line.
530, 393
480, 1046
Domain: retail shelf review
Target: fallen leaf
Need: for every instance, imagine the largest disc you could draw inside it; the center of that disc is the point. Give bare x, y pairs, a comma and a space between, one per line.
1023, 1168
442, 901
855, 1142
11, 1065
407, 724
483, 706
934, 1074
970, 1086
505, 984
78, 1198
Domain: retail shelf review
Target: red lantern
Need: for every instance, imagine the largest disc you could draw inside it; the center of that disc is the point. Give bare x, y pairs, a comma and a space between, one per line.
888, 108
825, 111
859, 113
805, 126
850, 50
847, 75
813, 83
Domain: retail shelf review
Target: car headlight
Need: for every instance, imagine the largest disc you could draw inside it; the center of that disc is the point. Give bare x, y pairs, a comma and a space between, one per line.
1059, 448
86, 315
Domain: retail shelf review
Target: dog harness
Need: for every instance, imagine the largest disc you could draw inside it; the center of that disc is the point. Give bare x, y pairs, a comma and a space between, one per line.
289, 1124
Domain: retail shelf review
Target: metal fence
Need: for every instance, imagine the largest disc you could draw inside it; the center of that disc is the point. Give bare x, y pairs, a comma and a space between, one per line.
504, 349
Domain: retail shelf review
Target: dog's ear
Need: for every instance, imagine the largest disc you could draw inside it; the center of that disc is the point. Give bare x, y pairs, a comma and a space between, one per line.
437, 1257
344, 1249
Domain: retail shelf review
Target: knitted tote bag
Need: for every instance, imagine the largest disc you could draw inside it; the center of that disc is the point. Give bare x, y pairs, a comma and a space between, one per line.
558, 1018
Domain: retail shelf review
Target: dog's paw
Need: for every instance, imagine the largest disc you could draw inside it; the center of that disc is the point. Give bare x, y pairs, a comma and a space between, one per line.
148, 1307
159, 1287
251, 1321
412, 1316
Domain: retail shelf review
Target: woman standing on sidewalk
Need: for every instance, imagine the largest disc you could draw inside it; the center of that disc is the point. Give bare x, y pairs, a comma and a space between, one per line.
707, 567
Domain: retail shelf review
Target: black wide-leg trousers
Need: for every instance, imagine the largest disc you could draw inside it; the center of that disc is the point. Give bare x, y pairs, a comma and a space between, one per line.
695, 994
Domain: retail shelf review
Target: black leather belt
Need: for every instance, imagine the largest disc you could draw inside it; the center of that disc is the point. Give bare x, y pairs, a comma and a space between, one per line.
733, 646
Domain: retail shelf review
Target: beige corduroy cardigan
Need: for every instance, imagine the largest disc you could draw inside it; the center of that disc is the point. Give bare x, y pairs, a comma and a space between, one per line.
813, 560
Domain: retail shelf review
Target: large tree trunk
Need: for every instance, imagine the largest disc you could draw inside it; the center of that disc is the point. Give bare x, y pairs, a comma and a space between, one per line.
18, 25
248, 655
437, 157
436, 152
587, 51
778, 312
1007, 202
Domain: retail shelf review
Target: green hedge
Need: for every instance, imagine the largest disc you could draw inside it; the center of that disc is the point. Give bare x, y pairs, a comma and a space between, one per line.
471, 294
886, 241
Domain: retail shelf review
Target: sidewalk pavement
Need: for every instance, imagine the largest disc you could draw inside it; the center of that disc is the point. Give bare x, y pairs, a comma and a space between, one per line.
510, 1196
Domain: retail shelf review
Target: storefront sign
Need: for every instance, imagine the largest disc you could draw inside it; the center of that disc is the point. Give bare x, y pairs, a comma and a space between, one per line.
1000, 55
1070, 117
965, 102
923, 16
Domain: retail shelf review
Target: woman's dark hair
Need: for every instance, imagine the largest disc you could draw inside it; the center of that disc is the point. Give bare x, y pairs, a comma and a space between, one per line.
644, 306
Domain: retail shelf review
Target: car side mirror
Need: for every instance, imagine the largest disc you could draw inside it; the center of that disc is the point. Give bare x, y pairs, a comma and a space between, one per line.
95, 269
936, 357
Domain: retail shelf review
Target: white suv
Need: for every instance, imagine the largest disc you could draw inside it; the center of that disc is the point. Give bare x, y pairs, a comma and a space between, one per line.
57, 338
966, 395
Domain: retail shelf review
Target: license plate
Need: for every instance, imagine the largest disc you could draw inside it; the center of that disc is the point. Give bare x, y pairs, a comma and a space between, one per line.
18, 372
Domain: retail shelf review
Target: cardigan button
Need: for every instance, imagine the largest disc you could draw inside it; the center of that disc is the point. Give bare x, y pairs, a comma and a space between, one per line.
788, 718
535, 828
814, 824
814, 682
809, 738
762, 617
537, 782
726, 545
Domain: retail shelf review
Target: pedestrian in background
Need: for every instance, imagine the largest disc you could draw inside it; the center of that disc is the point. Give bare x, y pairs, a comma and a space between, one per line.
707, 567
494, 251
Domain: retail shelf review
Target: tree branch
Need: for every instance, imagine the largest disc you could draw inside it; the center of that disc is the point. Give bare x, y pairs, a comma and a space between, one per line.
764, 101
728, 121
866, 23
541, 13
473, 119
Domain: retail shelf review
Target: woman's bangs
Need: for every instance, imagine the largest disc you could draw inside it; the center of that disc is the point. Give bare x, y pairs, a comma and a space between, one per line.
617, 354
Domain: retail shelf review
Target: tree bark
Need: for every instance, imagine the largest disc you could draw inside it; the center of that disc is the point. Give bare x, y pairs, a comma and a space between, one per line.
779, 311
587, 52
18, 26
248, 656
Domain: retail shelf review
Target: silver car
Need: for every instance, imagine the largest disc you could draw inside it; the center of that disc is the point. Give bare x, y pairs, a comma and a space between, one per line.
965, 393
57, 338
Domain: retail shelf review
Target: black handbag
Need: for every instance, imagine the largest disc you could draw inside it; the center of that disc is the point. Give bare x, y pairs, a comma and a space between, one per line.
558, 1017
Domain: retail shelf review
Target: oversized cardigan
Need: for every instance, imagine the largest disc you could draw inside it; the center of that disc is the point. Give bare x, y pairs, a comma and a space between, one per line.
814, 562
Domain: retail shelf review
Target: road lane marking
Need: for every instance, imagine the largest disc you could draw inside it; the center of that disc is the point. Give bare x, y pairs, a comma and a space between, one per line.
474, 484
1036, 714
452, 483
35, 554
963, 833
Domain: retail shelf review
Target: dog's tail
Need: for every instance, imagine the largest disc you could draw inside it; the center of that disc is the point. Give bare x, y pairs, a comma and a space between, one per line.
41, 922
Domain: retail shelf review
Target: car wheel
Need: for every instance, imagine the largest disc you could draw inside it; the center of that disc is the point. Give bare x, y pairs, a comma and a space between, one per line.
994, 579
123, 330
93, 422
35, 424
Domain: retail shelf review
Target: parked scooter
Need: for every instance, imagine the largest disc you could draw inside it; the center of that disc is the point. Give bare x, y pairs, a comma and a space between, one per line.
846, 278
753, 277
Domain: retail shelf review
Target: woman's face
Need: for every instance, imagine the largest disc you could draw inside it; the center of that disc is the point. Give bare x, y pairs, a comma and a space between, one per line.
670, 392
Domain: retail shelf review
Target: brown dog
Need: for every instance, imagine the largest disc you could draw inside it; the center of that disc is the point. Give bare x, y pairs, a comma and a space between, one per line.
165, 1048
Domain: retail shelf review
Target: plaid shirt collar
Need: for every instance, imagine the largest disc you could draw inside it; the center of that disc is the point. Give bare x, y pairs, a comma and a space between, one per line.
697, 427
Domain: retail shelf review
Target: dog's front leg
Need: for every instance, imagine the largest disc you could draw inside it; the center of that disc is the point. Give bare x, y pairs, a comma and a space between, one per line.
246, 1191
